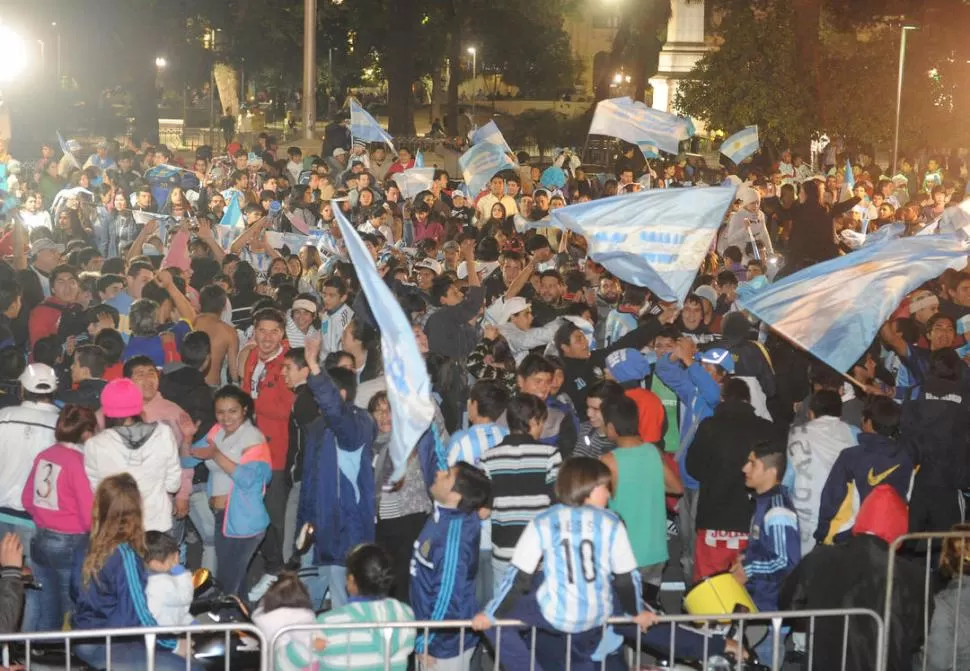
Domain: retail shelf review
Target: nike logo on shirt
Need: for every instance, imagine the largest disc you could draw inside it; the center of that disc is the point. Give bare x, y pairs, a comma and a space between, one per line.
874, 480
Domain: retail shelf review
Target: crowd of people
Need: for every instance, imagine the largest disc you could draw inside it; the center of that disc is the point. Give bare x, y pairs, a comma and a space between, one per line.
171, 398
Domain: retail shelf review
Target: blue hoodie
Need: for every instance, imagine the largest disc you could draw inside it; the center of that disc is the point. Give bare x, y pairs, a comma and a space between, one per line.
699, 394
115, 597
337, 494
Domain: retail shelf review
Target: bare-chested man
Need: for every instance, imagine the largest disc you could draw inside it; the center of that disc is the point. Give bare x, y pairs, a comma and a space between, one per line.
224, 339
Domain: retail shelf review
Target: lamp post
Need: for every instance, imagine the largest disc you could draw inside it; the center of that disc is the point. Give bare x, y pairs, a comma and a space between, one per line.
54, 25
309, 67
899, 92
474, 54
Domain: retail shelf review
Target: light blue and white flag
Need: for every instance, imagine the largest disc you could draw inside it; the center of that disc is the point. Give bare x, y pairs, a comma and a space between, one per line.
364, 127
834, 309
491, 134
164, 221
68, 150
955, 219
294, 241
885, 233
655, 239
638, 124
413, 181
232, 224
479, 164
741, 145
408, 384
419, 159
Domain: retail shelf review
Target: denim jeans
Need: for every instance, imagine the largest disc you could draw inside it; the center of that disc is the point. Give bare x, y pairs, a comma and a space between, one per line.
205, 523
25, 530
129, 656
233, 556
52, 557
289, 521
319, 579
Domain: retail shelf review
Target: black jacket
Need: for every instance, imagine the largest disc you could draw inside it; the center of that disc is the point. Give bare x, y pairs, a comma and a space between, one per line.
186, 387
717, 455
87, 394
449, 333
813, 233
580, 374
936, 430
305, 412
853, 575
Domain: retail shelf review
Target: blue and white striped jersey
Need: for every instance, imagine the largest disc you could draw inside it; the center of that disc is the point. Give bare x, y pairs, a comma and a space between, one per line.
581, 548
618, 324
470, 444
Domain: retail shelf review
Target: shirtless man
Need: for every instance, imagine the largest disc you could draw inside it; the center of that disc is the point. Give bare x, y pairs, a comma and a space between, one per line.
224, 339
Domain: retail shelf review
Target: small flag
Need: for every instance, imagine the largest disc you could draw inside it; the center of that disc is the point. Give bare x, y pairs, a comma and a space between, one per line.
413, 181
364, 127
741, 145
232, 224
638, 124
406, 375
835, 308
66, 150
419, 159
480, 163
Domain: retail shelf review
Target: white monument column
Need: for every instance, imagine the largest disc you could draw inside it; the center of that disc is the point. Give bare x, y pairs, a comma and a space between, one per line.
684, 47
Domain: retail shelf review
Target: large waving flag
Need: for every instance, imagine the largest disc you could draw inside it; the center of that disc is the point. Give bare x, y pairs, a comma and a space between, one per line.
834, 309
655, 239
364, 127
232, 224
741, 145
638, 124
480, 163
408, 384
491, 134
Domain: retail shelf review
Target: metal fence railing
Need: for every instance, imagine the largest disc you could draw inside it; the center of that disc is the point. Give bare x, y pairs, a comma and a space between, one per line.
22, 648
926, 548
660, 644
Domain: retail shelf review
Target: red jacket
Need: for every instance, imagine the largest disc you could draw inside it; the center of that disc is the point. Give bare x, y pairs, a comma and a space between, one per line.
273, 405
44, 319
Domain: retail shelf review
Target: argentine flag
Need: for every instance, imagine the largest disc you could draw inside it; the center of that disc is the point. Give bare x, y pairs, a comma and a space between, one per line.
364, 127
408, 384
232, 224
413, 181
834, 309
480, 163
741, 145
638, 124
655, 239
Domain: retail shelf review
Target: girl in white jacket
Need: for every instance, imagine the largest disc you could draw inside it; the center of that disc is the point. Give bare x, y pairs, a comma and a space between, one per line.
146, 451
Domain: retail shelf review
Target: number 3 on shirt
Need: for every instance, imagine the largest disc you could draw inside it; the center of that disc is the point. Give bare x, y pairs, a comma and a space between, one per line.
585, 559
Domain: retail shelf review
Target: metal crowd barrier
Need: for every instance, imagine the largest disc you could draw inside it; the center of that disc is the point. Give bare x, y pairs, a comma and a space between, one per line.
928, 592
148, 635
709, 626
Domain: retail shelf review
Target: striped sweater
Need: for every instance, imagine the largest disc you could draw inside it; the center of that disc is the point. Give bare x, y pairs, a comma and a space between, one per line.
523, 475
351, 649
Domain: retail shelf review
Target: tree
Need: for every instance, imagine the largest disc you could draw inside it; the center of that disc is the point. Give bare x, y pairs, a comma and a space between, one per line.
752, 78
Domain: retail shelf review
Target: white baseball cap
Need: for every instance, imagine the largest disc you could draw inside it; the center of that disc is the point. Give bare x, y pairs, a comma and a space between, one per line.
39, 378
504, 309
429, 264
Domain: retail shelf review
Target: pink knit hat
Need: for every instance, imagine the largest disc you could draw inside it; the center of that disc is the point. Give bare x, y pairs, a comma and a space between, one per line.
121, 398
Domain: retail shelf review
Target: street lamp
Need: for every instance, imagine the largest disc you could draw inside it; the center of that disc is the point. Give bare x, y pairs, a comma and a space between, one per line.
160, 62
899, 92
474, 54
54, 25
13, 54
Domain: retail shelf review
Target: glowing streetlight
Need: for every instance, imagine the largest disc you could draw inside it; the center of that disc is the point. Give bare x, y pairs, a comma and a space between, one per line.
13, 54
160, 62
